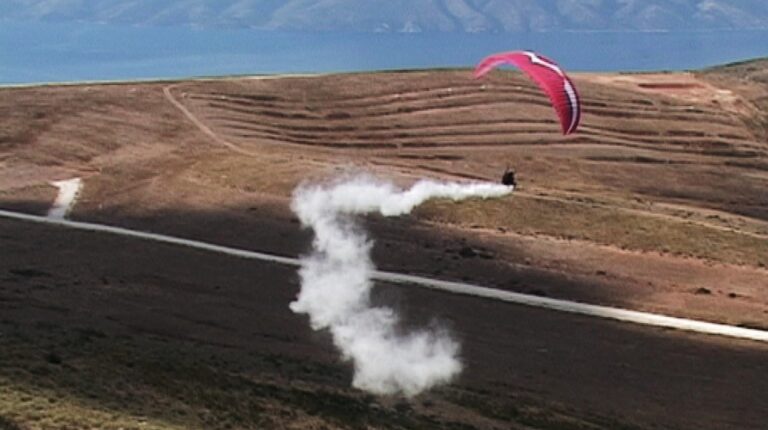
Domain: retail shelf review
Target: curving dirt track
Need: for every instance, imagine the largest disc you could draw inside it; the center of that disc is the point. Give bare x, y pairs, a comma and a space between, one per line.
657, 204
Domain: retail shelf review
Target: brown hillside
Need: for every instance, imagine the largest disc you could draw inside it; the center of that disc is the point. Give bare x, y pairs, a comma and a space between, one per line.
657, 203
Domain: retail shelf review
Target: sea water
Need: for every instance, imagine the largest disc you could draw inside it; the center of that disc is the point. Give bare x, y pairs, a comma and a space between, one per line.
45, 52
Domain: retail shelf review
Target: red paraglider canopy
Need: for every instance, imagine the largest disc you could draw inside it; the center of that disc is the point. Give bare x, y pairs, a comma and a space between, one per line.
548, 75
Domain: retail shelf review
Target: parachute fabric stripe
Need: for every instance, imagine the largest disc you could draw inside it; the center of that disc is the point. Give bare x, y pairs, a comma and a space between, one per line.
550, 78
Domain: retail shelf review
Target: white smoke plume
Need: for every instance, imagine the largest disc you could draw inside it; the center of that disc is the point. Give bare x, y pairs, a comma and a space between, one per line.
336, 283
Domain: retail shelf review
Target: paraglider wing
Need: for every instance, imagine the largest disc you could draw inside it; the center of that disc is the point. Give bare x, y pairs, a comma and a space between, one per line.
548, 75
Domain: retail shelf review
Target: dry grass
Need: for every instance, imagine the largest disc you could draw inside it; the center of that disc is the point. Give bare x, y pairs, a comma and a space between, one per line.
53, 378
607, 226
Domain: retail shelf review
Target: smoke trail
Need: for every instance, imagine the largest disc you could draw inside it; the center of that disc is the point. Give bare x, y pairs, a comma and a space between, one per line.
336, 283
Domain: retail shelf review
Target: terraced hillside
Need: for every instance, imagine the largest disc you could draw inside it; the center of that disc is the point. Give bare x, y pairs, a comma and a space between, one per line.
417, 110
675, 142
658, 203
668, 168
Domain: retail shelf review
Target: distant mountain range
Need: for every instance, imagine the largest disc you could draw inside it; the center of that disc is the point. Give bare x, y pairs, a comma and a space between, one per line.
405, 15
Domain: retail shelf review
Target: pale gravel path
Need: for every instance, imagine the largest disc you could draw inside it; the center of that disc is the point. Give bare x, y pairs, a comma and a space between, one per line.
68, 192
